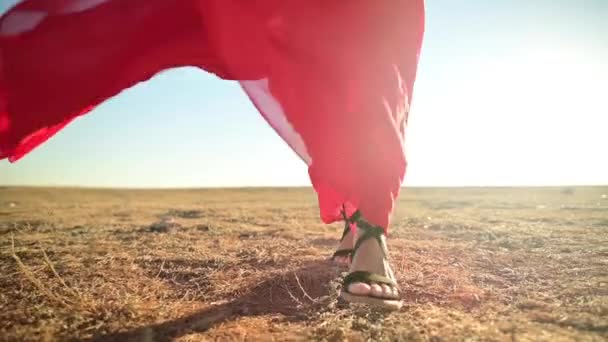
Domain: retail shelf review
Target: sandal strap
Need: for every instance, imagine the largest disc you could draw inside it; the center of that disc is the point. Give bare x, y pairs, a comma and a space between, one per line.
345, 232
367, 278
342, 253
370, 232
348, 221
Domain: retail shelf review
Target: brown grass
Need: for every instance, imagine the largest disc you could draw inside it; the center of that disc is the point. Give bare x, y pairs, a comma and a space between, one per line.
250, 264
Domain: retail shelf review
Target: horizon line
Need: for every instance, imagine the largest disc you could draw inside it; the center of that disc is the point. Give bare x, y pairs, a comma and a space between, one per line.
86, 187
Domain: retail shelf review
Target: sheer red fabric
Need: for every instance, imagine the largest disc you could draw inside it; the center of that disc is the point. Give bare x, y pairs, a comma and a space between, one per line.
333, 78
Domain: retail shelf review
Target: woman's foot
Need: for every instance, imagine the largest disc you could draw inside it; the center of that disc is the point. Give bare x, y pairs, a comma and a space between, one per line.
371, 279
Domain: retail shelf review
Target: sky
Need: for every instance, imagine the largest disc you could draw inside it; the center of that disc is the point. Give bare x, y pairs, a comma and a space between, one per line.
509, 92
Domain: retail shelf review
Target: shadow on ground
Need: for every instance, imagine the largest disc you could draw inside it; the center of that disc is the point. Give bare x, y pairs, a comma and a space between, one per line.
292, 294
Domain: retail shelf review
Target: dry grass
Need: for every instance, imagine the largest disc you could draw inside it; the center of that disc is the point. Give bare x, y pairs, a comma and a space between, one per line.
249, 264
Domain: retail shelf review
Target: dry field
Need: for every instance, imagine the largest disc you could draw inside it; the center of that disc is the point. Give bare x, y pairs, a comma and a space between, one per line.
474, 264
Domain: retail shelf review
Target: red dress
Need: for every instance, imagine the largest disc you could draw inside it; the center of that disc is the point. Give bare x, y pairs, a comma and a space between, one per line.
333, 78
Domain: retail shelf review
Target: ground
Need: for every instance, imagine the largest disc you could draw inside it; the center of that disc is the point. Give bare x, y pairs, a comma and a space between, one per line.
473, 264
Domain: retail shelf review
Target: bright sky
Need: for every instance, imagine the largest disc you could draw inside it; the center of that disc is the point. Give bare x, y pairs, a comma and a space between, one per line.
510, 92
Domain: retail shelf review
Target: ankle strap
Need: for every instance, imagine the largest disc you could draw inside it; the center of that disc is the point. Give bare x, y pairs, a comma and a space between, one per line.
369, 232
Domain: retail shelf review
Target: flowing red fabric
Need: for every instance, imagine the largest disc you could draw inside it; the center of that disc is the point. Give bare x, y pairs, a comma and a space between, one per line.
333, 78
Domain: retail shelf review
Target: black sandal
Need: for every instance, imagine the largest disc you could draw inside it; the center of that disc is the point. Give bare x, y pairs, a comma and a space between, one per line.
369, 232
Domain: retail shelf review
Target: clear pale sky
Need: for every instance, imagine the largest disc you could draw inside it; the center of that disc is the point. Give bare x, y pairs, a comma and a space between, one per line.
509, 92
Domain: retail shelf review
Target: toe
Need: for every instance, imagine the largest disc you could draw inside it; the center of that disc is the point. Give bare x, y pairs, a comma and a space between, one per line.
376, 290
387, 291
359, 289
